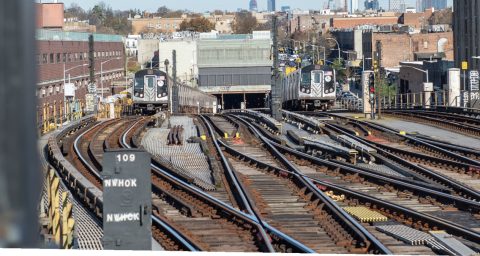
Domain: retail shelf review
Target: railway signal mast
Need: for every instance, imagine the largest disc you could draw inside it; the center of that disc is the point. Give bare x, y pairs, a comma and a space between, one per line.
371, 90
379, 76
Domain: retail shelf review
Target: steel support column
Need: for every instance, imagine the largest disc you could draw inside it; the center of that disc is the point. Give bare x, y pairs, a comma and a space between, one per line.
19, 169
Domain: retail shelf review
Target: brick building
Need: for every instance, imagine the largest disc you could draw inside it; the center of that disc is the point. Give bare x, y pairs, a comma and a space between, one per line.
58, 49
306, 22
50, 15
156, 24
408, 47
352, 22
416, 20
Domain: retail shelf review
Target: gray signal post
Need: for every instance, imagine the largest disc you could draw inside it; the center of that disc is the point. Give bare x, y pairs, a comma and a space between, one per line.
127, 200
276, 99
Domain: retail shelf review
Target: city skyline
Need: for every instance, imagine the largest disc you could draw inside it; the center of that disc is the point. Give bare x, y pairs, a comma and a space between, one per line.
209, 5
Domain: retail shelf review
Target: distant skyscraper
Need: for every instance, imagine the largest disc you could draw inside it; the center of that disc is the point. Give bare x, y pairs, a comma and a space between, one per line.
271, 5
419, 6
372, 5
285, 8
338, 4
253, 5
353, 6
437, 4
396, 5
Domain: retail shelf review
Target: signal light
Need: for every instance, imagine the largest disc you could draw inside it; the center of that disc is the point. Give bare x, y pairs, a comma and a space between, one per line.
371, 83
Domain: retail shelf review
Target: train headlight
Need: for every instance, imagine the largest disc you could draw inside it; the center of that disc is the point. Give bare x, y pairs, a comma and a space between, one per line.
141, 95
308, 91
328, 79
159, 95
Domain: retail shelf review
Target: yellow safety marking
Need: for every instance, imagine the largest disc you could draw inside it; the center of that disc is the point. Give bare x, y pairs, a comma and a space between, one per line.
403, 133
68, 223
364, 214
369, 132
203, 137
226, 135
437, 232
237, 135
356, 133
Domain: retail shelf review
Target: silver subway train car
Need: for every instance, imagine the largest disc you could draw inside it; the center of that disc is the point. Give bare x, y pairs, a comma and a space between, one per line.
151, 94
150, 91
311, 88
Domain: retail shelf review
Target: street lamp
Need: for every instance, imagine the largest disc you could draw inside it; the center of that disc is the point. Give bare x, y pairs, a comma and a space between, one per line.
338, 45
64, 83
101, 72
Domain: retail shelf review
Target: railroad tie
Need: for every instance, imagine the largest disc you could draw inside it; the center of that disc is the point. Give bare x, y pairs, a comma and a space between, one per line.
364, 214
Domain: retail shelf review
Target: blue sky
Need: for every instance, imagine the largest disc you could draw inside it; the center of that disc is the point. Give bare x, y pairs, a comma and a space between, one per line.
205, 5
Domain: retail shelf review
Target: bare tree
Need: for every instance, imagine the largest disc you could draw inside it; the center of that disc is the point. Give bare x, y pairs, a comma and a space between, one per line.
444, 16
244, 23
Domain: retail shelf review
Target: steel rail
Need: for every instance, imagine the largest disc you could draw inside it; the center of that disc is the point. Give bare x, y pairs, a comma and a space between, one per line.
177, 235
299, 247
362, 235
434, 175
459, 230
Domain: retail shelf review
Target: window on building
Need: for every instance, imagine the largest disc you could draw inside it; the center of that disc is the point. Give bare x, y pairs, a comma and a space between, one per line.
80, 56
52, 58
44, 58
64, 57
59, 57
76, 56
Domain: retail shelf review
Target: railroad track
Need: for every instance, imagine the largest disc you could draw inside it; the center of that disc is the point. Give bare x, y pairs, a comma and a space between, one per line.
387, 197
86, 149
460, 177
455, 122
283, 205
212, 224
187, 213
288, 204
439, 161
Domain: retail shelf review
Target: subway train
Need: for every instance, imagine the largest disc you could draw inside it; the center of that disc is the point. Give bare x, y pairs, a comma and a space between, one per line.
151, 89
310, 88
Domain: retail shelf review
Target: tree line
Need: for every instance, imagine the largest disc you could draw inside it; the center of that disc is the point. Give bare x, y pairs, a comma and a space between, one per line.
112, 21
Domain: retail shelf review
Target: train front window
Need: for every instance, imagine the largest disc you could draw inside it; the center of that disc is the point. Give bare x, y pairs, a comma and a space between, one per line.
316, 78
139, 83
150, 81
306, 79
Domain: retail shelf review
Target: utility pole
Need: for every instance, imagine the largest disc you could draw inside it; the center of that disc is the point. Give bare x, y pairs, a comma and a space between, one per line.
276, 99
174, 98
379, 76
91, 61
